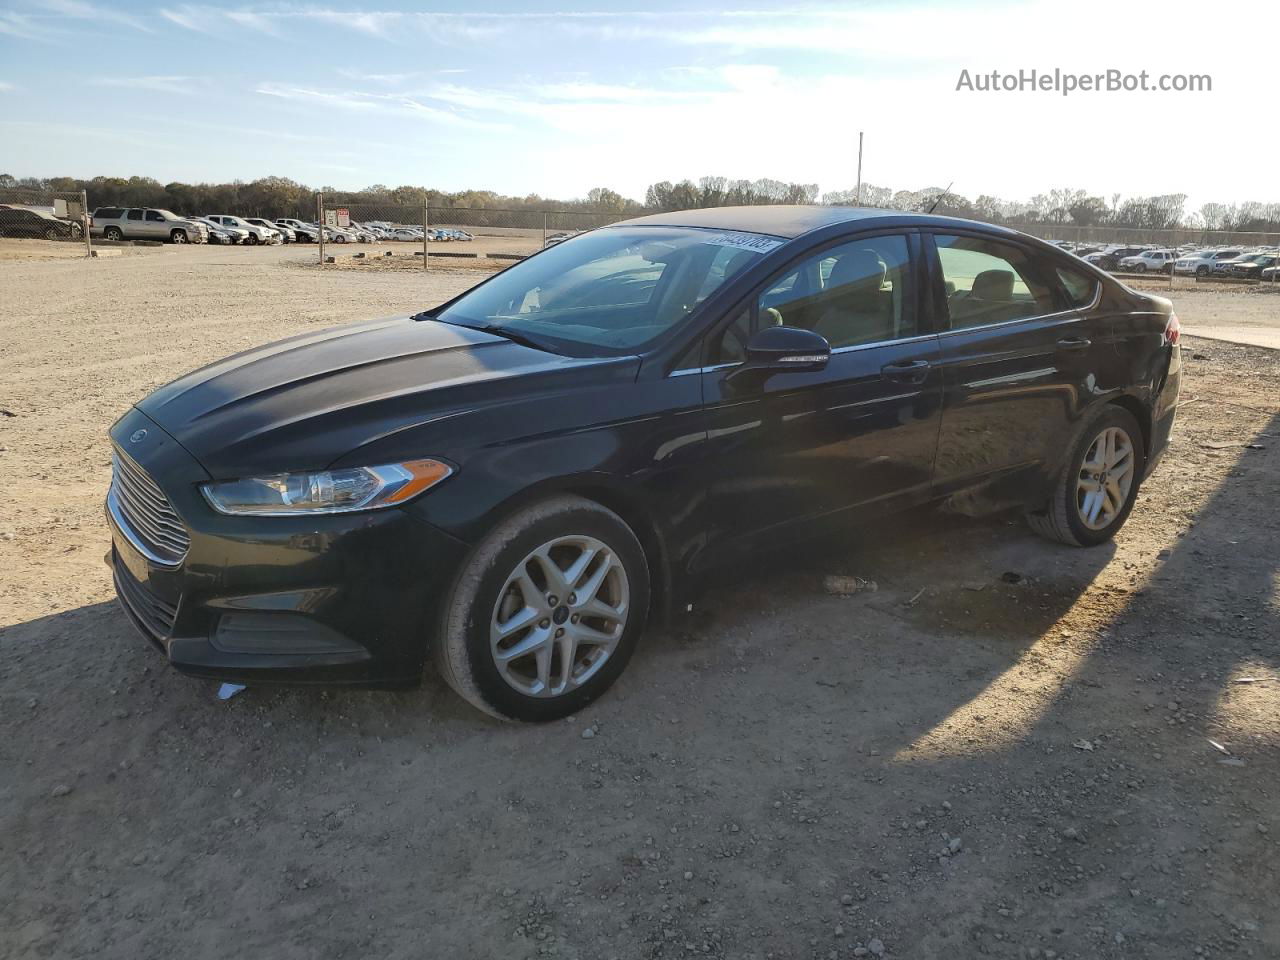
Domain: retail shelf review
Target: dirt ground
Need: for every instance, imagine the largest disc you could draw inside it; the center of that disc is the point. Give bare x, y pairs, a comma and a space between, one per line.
1009, 749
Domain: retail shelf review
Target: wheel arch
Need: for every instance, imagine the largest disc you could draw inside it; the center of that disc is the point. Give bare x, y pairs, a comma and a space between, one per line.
1141, 413
629, 505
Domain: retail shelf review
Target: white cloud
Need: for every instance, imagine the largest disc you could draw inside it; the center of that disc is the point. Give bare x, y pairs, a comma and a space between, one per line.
368, 102
6, 87
156, 84
20, 25
80, 10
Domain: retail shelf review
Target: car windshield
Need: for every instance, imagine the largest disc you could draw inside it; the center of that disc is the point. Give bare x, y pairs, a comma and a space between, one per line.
609, 291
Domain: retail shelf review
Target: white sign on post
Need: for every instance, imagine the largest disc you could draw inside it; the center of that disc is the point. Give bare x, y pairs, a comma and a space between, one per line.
331, 218
344, 217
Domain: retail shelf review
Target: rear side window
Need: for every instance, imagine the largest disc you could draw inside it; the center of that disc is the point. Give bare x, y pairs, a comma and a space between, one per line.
990, 282
135, 214
108, 213
1079, 289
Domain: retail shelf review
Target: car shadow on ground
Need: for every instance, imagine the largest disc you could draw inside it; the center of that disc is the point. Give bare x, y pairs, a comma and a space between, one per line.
986, 740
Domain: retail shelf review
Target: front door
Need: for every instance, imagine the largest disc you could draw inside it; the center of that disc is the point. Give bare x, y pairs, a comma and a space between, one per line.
796, 447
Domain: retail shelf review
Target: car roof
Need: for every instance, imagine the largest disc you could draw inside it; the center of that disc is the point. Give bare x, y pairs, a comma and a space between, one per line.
789, 221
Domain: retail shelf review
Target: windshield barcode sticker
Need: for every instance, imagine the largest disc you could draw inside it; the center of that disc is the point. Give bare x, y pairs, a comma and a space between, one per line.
745, 241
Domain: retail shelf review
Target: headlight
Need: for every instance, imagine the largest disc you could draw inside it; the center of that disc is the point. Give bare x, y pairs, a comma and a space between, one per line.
327, 491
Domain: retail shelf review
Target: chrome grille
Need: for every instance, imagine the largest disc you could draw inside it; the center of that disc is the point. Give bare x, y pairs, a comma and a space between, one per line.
143, 513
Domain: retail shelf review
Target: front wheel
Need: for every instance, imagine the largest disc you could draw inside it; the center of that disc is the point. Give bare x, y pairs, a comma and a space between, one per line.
1140, 268
1202, 271
546, 612
1096, 488
252, 240
178, 236
51, 233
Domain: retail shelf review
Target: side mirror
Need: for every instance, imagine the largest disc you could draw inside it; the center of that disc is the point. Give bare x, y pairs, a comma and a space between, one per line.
778, 349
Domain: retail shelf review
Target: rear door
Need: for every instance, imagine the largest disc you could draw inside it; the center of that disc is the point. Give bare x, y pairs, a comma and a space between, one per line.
802, 446
1022, 354
134, 226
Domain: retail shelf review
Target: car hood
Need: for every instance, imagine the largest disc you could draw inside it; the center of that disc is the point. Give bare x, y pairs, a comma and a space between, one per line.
303, 403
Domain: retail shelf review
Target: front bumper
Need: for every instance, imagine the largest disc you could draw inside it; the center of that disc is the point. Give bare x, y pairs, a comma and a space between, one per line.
349, 599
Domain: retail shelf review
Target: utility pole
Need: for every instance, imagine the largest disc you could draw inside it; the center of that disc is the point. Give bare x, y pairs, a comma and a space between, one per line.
320, 225
426, 219
84, 222
858, 195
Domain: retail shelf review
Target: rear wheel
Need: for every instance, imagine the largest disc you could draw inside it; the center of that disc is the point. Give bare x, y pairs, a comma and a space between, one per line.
113, 233
1095, 490
546, 612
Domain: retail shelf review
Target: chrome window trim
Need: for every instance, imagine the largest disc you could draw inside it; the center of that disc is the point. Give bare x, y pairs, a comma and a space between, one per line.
834, 351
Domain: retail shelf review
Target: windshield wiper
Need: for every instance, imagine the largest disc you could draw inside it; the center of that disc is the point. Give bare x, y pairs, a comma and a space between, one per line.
514, 336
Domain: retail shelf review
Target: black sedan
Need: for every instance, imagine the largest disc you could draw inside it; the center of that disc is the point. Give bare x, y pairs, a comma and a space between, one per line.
1250, 268
514, 482
22, 222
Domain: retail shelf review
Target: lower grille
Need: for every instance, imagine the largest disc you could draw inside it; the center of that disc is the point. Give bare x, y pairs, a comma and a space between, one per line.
153, 614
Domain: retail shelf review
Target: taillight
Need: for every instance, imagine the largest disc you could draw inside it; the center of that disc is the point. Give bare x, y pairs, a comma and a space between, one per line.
1172, 330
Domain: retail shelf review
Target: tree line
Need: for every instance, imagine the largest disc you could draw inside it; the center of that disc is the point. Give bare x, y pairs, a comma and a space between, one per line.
282, 197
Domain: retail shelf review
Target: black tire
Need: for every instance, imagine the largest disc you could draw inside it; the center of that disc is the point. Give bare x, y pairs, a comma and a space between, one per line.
1140, 268
113, 233
52, 233
462, 650
1202, 270
252, 240
1059, 519
178, 236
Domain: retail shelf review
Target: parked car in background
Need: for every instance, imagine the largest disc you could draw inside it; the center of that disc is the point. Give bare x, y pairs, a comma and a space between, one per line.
256, 234
1150, 261
515, 481
1109, 258
37, 224
144, 223
286, 233
406, 233
302, 232
1201, 262
220, 234
1250, 268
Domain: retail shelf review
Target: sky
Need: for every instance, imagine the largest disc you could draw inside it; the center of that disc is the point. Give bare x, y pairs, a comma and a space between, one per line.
555, 98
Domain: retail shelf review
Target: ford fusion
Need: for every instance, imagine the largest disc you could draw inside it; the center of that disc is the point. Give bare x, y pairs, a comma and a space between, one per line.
511, 484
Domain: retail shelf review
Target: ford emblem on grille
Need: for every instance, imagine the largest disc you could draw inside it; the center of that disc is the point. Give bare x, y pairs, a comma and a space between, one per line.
137, 436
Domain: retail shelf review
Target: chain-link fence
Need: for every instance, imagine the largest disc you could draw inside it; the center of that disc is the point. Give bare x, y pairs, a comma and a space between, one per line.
447, 233
45, 215
1135, 236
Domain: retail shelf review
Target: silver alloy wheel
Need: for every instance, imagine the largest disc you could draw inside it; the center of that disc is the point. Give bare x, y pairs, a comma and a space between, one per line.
1106, 477
179, 236
559, 616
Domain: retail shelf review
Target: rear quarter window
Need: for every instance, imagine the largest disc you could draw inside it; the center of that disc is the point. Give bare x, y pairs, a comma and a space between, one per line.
1078, 289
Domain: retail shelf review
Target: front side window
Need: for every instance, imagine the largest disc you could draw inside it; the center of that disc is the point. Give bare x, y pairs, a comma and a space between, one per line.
154, 215
990, 282
608, 291
855, 293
